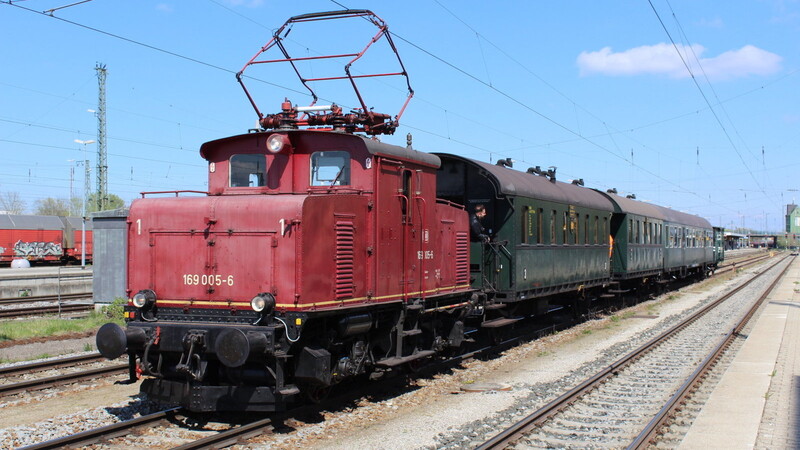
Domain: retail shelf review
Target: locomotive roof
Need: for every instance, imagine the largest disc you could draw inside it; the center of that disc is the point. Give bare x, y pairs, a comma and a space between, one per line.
372, 146
628, 205
513, 182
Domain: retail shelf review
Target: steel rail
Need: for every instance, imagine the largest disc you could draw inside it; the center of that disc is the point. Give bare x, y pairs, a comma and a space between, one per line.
51, 364
738, 264
45, 310
648, 434
538, 417
44, 298
44, 383
229, 437
89, 437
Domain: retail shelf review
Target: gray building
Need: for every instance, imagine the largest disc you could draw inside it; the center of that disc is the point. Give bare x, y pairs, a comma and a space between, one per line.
110, 255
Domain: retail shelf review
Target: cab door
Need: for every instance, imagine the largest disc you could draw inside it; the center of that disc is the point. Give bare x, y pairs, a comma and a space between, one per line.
390, 218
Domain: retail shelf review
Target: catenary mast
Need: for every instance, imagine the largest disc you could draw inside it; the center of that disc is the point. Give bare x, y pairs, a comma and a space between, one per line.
102, 163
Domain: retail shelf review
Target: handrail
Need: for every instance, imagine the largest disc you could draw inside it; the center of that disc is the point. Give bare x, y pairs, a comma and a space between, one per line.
177, 193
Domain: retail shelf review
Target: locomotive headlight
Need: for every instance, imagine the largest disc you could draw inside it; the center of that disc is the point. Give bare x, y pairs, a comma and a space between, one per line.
263, 302
258, 303
277, 142
143, 298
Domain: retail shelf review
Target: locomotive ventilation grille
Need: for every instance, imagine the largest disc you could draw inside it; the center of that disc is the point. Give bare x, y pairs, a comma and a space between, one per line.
345, 255
462, 258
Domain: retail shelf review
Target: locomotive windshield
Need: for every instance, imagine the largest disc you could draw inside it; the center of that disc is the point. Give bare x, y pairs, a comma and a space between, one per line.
248, 170
330, 168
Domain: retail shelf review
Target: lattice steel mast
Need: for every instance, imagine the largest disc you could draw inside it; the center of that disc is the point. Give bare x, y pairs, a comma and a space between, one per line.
102, 164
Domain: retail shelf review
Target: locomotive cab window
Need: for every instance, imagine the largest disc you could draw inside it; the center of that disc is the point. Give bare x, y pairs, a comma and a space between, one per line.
248, 170
330, 168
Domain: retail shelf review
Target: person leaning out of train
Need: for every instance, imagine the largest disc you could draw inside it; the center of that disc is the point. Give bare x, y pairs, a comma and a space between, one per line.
476, 228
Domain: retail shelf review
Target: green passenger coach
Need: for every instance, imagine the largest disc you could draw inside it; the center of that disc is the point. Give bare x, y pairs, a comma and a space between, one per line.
547, 237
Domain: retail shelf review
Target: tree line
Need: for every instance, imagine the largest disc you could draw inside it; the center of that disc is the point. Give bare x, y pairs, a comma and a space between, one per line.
12, 203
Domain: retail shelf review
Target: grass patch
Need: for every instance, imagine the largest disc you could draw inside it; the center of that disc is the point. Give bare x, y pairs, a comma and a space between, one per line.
25, 329
586, 331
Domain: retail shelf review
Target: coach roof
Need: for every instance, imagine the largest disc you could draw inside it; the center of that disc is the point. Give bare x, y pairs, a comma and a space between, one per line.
630, 206
515, 183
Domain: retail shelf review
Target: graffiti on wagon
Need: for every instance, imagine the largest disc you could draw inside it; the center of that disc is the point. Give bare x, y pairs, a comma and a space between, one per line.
37, 249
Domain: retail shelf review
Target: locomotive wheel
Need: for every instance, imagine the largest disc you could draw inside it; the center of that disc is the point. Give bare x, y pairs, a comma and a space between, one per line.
316, 394
497, 335
415, 365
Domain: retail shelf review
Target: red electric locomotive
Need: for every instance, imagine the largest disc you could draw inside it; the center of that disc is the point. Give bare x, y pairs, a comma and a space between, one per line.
316, 255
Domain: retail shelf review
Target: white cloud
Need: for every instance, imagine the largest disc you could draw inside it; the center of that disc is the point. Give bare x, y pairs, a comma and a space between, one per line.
661, 59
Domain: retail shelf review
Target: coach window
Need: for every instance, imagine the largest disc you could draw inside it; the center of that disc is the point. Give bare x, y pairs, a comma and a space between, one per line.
596, 230
248, 170
639, 232
553, 227
630, 231
586, 224
330, 168
539, 231
528, 225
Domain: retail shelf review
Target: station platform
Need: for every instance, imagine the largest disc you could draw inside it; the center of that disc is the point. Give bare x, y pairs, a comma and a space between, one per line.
757, 402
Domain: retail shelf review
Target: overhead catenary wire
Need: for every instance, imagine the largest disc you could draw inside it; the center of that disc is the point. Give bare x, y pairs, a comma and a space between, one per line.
577, 134
705, 98
407, 41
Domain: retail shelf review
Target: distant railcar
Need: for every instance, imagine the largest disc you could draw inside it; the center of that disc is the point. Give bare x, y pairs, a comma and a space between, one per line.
43, 239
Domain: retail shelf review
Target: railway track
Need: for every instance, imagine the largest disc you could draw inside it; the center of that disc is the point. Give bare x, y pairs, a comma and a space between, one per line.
241, 433
96, 435
57, 380
745, 261
6, 372
221, 439
626, 404
66, 308
45, 298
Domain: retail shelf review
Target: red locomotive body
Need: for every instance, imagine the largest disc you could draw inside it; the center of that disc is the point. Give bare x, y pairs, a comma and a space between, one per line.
330, 222
315, 256
325, 258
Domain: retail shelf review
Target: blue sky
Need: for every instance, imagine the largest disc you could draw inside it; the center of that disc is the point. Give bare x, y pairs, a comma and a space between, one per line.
688, 104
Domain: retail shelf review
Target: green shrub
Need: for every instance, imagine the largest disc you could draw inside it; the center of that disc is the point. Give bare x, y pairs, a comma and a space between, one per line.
116, 309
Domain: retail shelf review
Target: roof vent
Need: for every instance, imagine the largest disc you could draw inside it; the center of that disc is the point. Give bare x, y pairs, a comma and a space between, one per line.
507, 162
